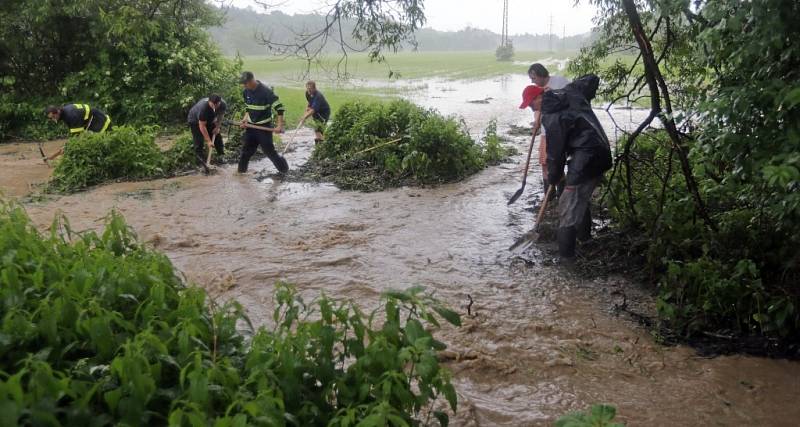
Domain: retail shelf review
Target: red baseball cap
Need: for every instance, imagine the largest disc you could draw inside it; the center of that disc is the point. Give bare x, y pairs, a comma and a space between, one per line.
529, 94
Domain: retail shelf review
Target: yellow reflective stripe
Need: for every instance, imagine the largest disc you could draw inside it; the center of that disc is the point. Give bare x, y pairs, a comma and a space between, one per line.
257, 107
76, 130
105, 125
86, 110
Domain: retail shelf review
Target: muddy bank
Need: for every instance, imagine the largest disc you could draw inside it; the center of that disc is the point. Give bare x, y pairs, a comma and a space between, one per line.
539, 342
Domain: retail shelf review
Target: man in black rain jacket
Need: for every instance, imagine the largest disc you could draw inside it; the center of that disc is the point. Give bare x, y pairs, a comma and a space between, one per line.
575, 138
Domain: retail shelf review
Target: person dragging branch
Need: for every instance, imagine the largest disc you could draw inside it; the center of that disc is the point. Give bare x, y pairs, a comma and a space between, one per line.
78, 118
205, 121
259, 101
318, 109
575, 138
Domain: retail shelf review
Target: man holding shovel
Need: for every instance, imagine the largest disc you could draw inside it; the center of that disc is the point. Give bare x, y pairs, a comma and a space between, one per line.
575, 138
541, 77
205, 121
318, 109
259, 102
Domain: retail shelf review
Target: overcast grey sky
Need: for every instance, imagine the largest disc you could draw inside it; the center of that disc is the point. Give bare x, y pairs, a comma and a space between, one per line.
525, 16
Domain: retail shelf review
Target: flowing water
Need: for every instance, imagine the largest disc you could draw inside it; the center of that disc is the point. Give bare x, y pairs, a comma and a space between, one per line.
538, 343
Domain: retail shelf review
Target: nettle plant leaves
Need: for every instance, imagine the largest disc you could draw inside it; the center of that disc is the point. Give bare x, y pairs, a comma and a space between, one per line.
99, 330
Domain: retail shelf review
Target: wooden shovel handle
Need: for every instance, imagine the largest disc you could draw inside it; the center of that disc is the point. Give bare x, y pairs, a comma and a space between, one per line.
544, 206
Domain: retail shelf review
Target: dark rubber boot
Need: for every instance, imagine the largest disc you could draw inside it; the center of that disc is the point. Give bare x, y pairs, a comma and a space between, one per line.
585, 227
566, 242
282, 165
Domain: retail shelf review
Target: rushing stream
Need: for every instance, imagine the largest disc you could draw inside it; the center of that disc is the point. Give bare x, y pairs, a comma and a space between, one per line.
539, 343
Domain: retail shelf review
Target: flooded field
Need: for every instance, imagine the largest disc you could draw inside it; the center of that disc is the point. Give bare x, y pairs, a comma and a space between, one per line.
538, 342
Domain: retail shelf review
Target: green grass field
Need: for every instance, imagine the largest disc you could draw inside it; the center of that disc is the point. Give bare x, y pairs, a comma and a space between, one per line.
294, 100
405, 65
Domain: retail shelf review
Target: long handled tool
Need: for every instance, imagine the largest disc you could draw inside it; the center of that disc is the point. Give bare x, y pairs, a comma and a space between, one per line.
208, 156
44, 157
532, 236
383, 144
291, 138
527, 162
248, 125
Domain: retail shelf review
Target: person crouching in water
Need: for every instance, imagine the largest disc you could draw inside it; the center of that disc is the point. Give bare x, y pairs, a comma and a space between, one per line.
205, 121
574, 132
318, 109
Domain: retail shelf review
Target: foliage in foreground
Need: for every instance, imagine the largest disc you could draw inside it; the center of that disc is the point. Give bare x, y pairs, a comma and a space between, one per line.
99, 330
389, 144
598, 416
144, 62
718, 201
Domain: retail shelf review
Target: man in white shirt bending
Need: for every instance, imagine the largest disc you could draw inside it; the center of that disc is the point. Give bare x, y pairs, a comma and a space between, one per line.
542, 78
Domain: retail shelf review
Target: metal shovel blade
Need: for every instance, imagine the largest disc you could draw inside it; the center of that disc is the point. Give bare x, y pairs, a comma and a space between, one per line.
516, 195
524, 242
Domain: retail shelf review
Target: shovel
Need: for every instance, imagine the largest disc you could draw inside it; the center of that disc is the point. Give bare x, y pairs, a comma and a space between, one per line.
532, 236
291, 138
527, 162
41, 151
248, 125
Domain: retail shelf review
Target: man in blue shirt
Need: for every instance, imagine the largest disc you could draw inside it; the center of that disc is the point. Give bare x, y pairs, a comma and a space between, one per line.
205, 120
317, 108
259, 102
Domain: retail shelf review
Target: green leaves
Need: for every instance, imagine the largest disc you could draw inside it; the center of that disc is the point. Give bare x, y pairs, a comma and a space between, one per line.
599, 416
99, 330
142, 62
396, 142
125, 153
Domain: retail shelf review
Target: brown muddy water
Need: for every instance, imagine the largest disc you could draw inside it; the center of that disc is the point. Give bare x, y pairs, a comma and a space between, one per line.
539, 343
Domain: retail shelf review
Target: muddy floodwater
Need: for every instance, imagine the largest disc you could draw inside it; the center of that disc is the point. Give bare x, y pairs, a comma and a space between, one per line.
540, 342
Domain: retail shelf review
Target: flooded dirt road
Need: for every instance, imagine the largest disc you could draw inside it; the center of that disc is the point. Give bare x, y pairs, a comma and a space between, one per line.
540, 342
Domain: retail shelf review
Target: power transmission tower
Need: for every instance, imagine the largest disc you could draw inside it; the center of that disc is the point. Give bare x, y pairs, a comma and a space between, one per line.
550, 39
504, 35
505, 51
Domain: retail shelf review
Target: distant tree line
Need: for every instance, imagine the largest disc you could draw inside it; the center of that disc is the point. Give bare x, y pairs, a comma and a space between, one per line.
243, 29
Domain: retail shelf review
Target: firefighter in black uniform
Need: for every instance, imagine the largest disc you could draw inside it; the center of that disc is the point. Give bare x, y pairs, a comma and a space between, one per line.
78, 118
259, 102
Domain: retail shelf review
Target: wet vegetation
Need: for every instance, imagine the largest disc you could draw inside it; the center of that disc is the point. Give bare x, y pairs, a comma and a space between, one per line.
99, 329
131, 154
144, 63
711, 198
371, 146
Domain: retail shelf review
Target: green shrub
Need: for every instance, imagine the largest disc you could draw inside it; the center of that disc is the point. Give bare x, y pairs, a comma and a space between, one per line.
144, 64
493, 149
94, 158
598, 416
26, 120
99, 330
739, 278
399, 142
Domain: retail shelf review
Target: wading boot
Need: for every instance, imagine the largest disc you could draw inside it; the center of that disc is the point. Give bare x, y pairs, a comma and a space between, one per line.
584, 228
566, 244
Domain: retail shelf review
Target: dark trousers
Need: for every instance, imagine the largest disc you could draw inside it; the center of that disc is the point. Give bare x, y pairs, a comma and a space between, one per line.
200, 142
252, 139
575, 216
